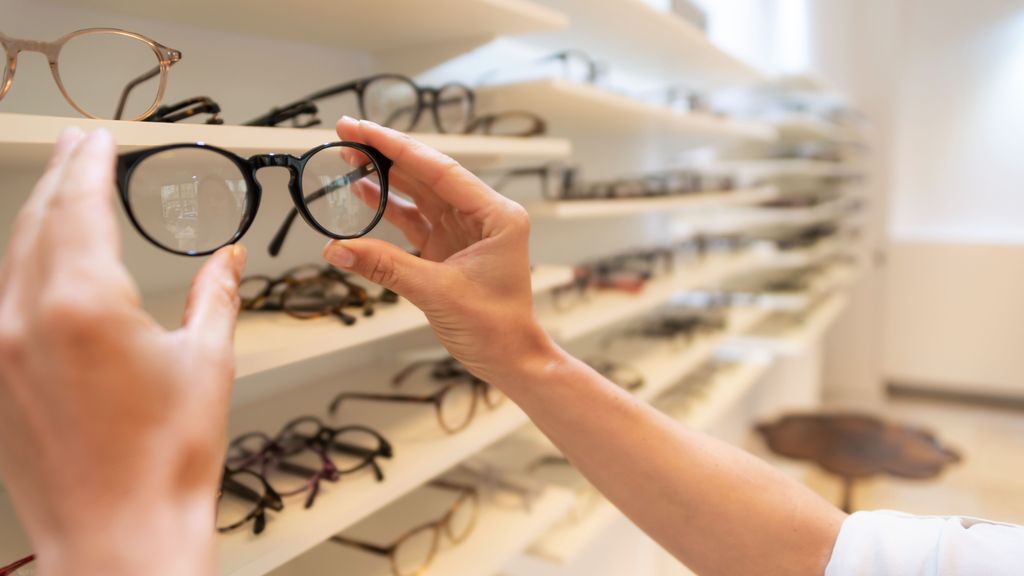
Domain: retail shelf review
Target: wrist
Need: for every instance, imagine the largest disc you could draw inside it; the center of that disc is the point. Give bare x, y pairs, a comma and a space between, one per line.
159, 537
535, 359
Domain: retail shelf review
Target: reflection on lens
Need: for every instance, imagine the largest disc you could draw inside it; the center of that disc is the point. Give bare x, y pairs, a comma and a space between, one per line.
110, 75
241, 495
188, 200
457, 406
352, 448
454, 108
342, 189
415, 551
462, 518
392, 101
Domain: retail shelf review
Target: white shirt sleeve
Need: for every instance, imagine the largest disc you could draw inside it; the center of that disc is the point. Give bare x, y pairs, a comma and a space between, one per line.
885, 542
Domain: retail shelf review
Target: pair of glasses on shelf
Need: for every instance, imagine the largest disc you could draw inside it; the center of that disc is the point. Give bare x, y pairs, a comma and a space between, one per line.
398, 102
572, 65
628, 272
455, 402
561, 182
304, 454
310, 291
414, 551
686, 325
721, 243
805, 238
134, 67
192, 199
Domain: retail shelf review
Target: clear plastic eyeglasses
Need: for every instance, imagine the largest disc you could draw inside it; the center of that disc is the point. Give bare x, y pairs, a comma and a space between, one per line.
138, 67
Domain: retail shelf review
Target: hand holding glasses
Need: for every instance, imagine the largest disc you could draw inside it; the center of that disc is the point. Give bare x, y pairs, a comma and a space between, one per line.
192, 199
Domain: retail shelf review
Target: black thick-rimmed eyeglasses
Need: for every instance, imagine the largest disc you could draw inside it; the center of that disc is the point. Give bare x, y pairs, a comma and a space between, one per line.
192, 199
395, 101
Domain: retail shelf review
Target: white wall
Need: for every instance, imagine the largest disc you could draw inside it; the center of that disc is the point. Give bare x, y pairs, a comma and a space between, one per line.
954, 301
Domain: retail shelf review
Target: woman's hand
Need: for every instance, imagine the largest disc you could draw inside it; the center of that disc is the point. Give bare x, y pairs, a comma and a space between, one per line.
112, 429
473, 279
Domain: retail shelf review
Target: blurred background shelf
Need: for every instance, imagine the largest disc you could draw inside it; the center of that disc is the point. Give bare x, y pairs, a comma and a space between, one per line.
499, 534
786, 335
633, 35
392, 29
582, 109
27, 137
572, 209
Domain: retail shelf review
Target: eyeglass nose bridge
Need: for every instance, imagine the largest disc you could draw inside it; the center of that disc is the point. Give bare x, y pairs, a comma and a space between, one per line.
275, 161
48, 49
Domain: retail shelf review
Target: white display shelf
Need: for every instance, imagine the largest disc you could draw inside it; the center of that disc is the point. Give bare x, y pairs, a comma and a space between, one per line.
563, 544
804, 127
779, 167
632, 35
665, 366
268, 340
609, 307
803, 216
582, 109
28, 138
421, 452
836, 278
817, 253
573, 209
498, 535
781, 335
723, 393
381, 26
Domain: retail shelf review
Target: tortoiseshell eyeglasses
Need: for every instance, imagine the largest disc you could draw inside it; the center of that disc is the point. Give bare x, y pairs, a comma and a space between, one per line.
135, 66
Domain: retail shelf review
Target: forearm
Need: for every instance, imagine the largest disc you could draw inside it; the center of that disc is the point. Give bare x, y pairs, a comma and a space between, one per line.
711, 505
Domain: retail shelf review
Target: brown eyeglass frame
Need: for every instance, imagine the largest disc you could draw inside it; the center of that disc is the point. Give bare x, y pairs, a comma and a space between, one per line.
14, 46
442, 525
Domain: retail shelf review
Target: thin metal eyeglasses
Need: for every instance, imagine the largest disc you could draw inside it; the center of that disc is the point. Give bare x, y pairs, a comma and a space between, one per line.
192, 199
75, 57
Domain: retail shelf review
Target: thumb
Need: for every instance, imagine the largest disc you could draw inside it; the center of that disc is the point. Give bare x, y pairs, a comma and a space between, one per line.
385, 264
212, 308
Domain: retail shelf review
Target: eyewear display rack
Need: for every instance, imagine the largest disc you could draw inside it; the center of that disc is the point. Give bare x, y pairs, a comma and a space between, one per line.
288, 367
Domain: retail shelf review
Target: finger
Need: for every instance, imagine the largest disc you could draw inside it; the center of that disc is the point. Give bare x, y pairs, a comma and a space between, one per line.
400, 212
212, 308
26, 225
388, 265
443, 176
80, 214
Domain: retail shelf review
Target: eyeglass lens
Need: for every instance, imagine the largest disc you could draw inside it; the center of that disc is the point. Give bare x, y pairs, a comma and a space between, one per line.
189, 199
131, 74
415, 551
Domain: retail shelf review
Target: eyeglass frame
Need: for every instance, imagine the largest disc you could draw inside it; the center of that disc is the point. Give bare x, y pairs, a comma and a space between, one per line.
275, 116
467, 493
270, 499
167, 57
247, 167
273, 454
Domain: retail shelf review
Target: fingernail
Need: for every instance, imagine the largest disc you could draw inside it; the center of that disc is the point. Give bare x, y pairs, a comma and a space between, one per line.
340, 256
349, 120
101, 134
238, 257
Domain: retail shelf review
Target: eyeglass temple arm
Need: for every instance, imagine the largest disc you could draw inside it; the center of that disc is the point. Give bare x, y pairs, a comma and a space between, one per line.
131, 86
336, 403
288, 111
9, 569
372, 548
277, 242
